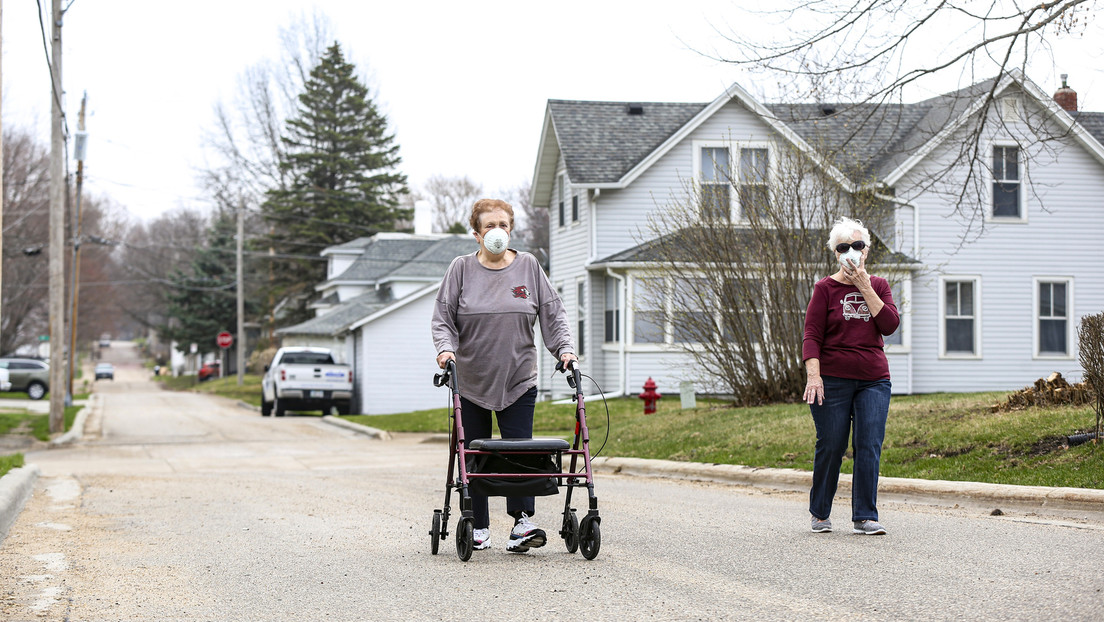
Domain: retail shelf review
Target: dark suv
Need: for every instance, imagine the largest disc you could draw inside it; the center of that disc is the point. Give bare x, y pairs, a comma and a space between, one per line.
31, 376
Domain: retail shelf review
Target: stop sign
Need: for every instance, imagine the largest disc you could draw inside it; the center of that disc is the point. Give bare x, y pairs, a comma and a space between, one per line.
225, 339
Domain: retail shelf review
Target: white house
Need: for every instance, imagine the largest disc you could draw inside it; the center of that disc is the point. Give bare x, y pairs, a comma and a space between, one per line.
375, 311
994, 311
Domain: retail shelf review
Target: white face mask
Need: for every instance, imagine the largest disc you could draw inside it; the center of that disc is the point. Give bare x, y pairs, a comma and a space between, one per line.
851, 255
495, 241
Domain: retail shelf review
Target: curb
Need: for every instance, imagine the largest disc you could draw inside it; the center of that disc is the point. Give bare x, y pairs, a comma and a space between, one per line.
77, 431
15, 489
381, 435
911, 489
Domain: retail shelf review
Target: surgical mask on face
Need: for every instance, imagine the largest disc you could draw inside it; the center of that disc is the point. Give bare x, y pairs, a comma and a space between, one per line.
851, 255
495, 241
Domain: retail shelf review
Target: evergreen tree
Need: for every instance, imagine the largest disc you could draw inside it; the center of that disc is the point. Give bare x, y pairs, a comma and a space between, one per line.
341, 164
202, 302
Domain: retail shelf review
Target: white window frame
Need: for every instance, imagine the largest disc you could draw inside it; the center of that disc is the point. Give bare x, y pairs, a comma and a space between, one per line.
1022, 165
735, 210
942, 315
1070, 334
630, 321
614, 305
904, 311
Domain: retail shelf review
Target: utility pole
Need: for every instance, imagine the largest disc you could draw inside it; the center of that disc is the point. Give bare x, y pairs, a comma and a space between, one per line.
241, 295
79, 145
57, 232
1, 165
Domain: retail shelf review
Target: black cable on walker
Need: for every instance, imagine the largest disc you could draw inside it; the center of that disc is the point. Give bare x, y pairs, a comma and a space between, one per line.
571, 382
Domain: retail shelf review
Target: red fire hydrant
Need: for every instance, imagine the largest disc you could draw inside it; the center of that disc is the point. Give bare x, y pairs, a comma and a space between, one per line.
650, 396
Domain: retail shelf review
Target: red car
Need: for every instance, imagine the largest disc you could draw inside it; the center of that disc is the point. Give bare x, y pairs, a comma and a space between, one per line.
208, 371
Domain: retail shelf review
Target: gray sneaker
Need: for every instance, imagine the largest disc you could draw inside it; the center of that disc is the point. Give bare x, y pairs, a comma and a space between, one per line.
868, 528
821, 526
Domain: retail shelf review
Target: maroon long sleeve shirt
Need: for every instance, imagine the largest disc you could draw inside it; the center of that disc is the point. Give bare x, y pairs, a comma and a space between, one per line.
841, 332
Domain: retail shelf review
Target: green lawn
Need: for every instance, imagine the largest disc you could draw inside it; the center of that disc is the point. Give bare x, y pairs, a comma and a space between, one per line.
946, 436
938, 436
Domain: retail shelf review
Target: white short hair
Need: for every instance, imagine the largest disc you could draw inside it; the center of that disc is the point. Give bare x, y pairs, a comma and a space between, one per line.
843, 229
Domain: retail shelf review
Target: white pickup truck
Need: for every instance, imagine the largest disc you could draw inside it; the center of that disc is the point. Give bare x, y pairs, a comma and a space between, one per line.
305, 379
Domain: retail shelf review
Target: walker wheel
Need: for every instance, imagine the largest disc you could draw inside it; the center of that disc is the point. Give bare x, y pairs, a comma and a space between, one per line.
570, 532
435, 532
590, 537
465, 538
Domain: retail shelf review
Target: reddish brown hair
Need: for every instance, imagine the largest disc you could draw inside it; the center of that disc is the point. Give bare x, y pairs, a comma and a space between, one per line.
482, 206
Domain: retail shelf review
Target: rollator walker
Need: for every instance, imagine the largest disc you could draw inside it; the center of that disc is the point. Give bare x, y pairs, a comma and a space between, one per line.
518, 467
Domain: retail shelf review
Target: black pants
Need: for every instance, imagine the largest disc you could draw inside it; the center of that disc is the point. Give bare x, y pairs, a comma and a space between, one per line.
514, 421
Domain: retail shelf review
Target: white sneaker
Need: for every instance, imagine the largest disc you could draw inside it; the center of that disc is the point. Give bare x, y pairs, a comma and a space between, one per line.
525, 536
482, 539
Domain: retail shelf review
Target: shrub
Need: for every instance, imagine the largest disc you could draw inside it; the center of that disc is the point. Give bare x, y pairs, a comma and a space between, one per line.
1090, 336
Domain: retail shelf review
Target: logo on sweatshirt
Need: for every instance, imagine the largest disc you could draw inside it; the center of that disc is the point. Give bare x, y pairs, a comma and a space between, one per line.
520, 291
854, 307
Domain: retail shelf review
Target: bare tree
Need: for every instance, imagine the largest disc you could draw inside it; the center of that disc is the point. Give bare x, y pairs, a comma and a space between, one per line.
531, 225
865, 57
26, 223
451, 198
739, 279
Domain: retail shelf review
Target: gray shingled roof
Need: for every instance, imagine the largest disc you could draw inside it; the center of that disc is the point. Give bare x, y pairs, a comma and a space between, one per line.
407, 256
343, 316
601, 142
676, 246
1093, 122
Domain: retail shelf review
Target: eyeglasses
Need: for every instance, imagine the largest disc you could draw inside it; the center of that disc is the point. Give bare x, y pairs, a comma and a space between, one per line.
857, 245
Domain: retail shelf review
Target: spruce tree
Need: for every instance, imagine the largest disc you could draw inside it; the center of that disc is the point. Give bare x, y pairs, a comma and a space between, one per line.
341, 165
202, 301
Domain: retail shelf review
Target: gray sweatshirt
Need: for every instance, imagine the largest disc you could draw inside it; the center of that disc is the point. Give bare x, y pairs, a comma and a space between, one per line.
486, 317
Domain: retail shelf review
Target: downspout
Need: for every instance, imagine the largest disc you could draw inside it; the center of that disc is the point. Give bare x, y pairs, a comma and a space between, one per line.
622, 376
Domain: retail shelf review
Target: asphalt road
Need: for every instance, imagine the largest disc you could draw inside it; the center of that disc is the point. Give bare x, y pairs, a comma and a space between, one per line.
179, 506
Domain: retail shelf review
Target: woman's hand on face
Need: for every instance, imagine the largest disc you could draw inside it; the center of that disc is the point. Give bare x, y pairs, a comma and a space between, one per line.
814, 390
857, 276
444, 357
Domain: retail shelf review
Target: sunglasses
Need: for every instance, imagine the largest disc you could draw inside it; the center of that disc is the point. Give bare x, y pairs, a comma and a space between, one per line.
857, 245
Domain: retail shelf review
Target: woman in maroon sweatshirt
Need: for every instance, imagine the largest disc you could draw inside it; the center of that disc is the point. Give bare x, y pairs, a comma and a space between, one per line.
848, 383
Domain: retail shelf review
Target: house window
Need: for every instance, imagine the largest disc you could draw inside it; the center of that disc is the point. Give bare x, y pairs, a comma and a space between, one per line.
1053, 317
581, 311
897, 289
692, 320
715, 183
960, 314
649, 296
742, 307
562, 194
575, 208
753, 192
1006, 182
613, 311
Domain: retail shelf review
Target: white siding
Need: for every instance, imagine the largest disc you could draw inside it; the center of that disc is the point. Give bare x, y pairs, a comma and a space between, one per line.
1060, 237
398, 360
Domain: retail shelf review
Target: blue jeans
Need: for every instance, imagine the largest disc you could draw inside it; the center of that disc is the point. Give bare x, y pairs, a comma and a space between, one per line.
857, 408
514, 421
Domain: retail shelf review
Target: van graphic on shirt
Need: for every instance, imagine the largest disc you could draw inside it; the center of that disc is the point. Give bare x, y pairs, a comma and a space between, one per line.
854, 307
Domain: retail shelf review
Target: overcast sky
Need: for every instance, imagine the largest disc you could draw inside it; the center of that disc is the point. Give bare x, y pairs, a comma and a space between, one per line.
464, 85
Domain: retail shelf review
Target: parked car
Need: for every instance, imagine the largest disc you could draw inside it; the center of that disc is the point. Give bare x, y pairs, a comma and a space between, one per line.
30, 376
105, 370
208, 371
305, 379
105, 340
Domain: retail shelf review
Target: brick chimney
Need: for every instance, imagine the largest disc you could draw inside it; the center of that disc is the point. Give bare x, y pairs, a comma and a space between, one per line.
1066, 97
